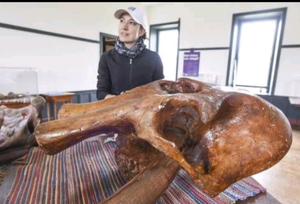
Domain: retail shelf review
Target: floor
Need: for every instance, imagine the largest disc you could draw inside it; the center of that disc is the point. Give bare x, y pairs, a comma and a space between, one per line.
282, 180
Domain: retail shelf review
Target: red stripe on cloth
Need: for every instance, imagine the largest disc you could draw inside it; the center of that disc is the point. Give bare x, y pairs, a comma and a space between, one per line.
18, 182
94, 166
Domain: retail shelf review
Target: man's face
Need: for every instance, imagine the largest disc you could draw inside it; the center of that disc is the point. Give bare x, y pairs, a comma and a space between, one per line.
129, 30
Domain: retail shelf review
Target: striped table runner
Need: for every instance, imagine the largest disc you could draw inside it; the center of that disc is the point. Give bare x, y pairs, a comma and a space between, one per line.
87, 173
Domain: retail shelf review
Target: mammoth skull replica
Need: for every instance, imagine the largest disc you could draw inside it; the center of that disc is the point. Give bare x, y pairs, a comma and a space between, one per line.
217, 136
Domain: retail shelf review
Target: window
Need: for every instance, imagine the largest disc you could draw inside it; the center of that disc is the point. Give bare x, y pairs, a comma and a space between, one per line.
255, 44
164, 41
167, 49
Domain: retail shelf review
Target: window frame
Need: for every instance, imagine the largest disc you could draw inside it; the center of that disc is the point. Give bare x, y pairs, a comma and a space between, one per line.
154, 37
279, 15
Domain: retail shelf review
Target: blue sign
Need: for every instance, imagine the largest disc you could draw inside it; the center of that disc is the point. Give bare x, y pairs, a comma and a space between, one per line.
191, 63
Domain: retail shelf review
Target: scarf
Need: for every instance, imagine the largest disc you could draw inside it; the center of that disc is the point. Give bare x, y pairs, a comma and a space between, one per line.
132, 52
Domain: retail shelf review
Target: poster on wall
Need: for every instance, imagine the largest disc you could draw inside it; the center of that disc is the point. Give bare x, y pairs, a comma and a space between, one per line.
191, 63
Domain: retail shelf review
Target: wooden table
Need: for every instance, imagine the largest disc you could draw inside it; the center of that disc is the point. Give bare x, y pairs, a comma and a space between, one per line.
63, 97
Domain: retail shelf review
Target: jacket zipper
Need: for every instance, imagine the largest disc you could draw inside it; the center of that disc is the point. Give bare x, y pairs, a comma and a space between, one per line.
130, 76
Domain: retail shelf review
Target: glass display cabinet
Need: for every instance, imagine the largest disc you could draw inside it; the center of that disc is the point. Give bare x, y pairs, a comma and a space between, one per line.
18, 86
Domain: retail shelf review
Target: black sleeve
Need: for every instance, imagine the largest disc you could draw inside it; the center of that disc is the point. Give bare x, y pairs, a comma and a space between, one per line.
159, 71
104, 82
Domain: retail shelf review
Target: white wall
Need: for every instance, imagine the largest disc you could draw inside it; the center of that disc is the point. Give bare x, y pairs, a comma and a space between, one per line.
62, 64
202, 25
288, 81
84, 20
209, 25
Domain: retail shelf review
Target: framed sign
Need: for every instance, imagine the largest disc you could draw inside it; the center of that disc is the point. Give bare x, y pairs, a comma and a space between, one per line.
191, 63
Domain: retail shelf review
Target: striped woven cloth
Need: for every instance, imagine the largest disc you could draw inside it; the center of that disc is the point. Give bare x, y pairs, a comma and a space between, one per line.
87, 173
3, 171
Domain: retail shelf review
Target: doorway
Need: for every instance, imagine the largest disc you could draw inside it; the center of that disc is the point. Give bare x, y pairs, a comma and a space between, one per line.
107, 42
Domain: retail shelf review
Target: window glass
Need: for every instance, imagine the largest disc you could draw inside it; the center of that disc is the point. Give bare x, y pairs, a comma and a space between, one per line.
167, 49
255, 52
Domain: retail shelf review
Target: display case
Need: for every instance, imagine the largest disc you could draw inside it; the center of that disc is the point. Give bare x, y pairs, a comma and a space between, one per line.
18, 86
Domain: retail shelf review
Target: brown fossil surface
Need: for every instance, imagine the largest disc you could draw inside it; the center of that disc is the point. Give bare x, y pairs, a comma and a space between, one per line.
217, 136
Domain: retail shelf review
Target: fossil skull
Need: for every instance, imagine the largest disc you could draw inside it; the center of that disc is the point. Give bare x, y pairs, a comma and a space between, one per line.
217, 136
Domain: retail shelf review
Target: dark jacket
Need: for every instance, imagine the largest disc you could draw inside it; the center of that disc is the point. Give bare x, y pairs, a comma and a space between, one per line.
118, 73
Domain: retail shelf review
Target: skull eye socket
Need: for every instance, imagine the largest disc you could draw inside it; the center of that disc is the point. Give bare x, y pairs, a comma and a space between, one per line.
178, 122
181, 87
